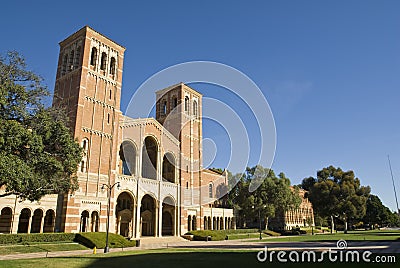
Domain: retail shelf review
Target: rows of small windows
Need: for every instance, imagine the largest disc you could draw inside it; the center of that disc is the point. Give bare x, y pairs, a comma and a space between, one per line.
187, 106
103, 61
175, 104
71, 60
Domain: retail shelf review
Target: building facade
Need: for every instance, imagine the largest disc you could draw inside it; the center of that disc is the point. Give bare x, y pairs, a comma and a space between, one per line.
303, 216
153, 166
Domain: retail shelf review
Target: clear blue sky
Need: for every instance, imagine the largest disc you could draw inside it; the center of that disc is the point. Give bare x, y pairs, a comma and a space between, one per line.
329, 69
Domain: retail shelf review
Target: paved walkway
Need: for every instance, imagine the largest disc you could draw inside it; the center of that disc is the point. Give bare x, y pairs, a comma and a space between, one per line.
155, 243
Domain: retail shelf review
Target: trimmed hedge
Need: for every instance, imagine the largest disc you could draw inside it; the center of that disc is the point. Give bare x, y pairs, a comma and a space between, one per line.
271, 233
98, 240
36, 238
217, 235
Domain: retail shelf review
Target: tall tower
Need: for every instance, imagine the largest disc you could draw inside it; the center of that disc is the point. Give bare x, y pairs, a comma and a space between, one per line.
179, 110
88, 86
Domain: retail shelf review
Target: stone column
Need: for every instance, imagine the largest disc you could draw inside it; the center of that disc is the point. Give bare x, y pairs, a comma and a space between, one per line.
15, 222
155, 227
29, 224
137, 225
41, 224
160, 205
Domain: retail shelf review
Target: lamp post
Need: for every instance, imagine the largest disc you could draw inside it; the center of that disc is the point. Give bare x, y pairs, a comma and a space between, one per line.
259, 218
109, 188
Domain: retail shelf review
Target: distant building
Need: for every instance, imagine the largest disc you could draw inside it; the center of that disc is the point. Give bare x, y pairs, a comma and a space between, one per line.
300, 217
157, 161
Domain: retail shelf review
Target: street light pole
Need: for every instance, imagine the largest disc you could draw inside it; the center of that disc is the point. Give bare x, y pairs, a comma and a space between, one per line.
109, 189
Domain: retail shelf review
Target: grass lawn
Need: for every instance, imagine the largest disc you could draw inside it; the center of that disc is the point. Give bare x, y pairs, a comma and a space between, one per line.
39, 247
386, 235
172, 258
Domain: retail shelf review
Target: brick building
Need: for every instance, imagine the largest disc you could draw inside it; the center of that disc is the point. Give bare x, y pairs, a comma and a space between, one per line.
156, 162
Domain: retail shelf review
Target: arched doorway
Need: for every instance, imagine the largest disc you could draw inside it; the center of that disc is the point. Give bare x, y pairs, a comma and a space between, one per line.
5, 220
148, 215
127, 154
205, 223
189, 223
95, 221
149, 158
49, 221
124, 213
168, 168
209, 223
168, 212
84, 221
36, 221
24, 218
194, 223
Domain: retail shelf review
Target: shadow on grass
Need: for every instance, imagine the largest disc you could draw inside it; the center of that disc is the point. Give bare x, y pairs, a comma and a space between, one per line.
209, 260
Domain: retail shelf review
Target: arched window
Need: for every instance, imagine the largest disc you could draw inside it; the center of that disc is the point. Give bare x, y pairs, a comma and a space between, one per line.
164, 108
65, 63
112, 66
103, 61
85, 144
127, 155
77, 58
85, 147
210, 190
71, 60
93, 56
175, 101
195, 108
186, 104
149, 158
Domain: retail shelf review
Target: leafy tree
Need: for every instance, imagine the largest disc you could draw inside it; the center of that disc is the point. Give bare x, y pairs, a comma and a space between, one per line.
337, 193
38, 155
273, 195
375, 212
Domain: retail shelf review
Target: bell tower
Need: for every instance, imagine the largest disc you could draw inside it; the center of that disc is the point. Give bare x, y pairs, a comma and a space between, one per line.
179, 110
88, 86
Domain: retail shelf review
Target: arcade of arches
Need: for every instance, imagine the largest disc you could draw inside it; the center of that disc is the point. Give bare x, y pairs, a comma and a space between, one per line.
37, 221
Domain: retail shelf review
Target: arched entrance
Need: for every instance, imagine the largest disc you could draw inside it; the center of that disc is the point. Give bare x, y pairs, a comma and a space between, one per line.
127, 154
148, 215
49, 221
189, 223
36, 221
149, 158
168, 168
194, 223
124, 213
168, 214
95, 221
24, 218
5, 220
84, 221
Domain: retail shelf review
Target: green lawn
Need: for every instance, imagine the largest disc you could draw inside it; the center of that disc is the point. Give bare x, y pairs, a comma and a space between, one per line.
39, 247
172, 258
350, 236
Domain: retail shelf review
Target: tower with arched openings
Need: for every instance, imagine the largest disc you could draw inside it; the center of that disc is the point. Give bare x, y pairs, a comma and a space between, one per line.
157, 161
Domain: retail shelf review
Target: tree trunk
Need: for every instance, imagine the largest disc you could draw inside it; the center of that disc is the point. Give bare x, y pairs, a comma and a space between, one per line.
345, 225
332, 224
266, 223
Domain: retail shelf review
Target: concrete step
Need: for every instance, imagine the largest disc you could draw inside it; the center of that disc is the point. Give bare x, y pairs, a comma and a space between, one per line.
151, 242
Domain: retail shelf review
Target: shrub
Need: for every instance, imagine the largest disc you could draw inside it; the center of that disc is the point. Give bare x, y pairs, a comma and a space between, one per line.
271, 233
98, 240
36, 238
217, 235
201, 235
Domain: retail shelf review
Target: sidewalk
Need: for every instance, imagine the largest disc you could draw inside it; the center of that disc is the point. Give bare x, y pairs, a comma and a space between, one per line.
375, 246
